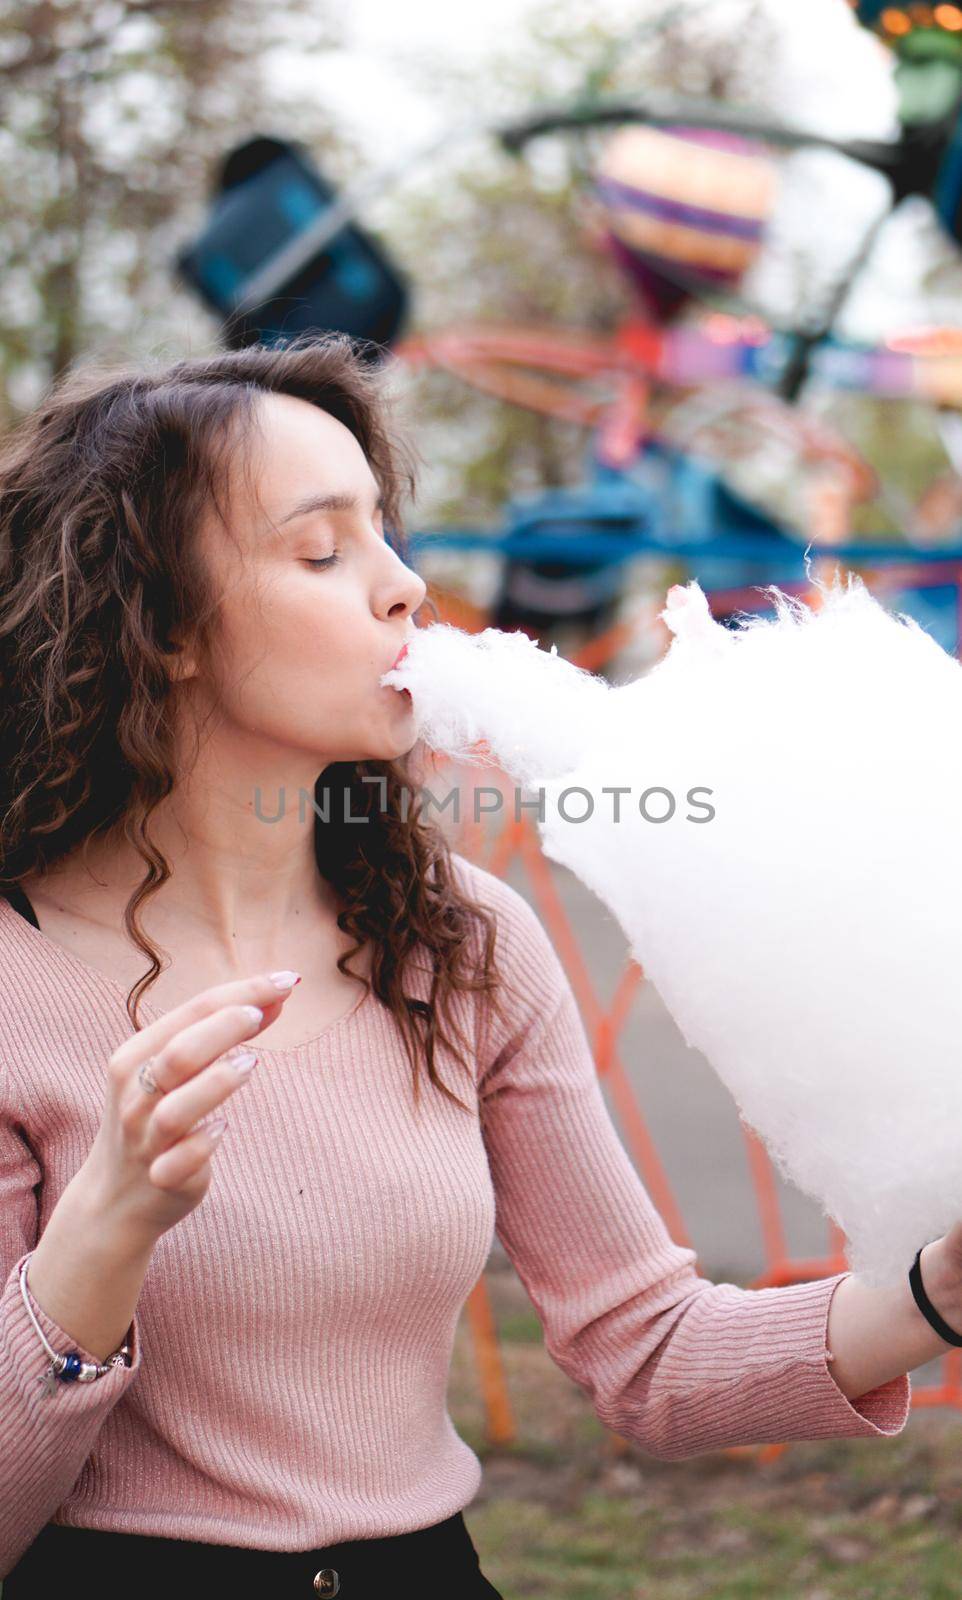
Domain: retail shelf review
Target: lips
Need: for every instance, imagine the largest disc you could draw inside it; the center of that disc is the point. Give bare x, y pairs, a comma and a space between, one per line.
400, 657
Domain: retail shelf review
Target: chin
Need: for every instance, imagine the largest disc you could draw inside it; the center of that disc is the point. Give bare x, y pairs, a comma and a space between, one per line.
384, 750
402, 746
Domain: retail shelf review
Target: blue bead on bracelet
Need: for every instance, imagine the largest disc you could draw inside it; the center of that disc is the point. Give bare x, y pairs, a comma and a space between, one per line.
70, 1367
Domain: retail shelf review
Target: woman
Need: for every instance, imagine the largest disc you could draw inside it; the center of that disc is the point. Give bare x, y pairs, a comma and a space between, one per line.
202, 584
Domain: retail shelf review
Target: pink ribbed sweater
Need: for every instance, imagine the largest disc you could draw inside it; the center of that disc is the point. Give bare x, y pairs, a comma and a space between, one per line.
293, 1337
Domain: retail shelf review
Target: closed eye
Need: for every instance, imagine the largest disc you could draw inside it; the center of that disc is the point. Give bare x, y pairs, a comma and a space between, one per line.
318, 563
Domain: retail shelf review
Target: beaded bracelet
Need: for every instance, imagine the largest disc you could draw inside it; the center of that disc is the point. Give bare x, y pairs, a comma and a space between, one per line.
70, 1367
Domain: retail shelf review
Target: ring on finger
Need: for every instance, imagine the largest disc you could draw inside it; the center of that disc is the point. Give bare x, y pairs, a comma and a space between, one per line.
146, 1078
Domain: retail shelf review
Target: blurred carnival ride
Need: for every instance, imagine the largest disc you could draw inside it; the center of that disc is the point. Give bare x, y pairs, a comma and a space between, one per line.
695, 398
695, 402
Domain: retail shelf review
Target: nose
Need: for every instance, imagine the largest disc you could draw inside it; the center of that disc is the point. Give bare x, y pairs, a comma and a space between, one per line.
401, 592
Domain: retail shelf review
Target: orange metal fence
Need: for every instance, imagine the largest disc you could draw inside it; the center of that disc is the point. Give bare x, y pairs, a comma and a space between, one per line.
604, 1025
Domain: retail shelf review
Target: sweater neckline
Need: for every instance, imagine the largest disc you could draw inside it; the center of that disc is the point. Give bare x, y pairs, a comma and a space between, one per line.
70, 964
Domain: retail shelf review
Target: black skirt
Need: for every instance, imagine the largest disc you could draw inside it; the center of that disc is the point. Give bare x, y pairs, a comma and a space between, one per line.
435, 1562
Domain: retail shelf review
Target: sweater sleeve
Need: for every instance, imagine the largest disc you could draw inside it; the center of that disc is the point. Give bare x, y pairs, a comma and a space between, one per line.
669, 1359
46, 1437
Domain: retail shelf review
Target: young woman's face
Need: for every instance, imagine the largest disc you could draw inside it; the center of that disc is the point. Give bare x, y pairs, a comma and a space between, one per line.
315, 603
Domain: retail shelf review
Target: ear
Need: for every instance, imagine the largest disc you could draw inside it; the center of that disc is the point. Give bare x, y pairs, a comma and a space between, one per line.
180, 661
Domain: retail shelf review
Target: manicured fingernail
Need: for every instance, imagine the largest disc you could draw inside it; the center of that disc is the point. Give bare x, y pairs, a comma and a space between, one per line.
254, 1015
243, 1062
285, 980
215, 1128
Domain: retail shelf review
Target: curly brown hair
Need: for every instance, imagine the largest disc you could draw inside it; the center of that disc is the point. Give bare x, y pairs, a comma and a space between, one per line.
100, 489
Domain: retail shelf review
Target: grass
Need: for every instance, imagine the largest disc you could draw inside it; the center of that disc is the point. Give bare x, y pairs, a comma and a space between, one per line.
561, 1514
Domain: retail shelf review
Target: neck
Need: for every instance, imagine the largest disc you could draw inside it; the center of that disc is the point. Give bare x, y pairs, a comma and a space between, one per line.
237, 831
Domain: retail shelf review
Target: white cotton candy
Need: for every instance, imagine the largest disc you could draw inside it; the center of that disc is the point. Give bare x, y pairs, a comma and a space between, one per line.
807, 936
492, 685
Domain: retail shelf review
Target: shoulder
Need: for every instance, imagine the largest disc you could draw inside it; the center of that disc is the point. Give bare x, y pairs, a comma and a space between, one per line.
515, 915
524, 953
536, 1021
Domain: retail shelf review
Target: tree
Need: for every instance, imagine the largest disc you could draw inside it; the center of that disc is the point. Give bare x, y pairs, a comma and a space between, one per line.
113, 113
491, 238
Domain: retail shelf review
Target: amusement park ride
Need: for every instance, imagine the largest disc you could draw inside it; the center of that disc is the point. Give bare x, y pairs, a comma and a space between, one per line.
692, 382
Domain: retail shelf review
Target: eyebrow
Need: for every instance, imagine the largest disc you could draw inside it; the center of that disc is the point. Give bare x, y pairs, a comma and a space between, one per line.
327, 502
